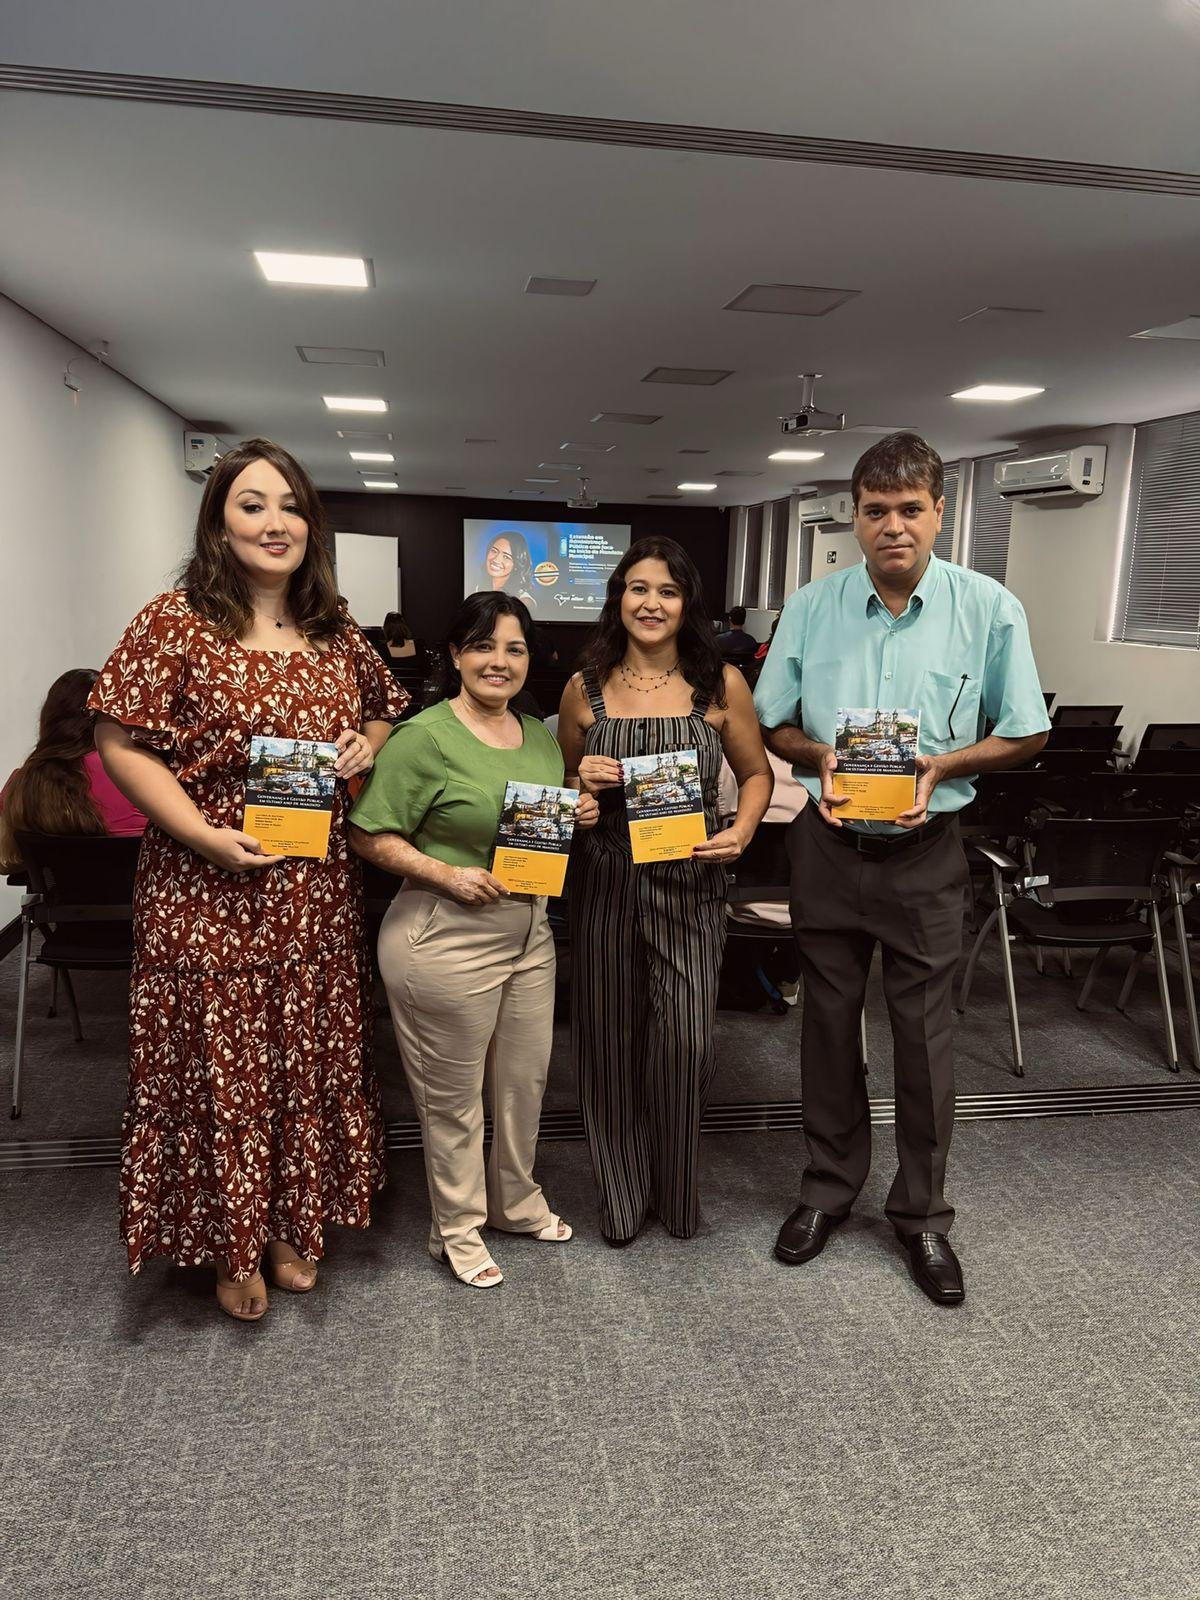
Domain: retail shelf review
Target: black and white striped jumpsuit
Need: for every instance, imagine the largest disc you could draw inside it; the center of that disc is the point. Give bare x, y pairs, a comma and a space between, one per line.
646, 947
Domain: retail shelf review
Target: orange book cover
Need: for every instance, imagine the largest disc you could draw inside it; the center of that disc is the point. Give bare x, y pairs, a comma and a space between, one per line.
290, 788
876, 763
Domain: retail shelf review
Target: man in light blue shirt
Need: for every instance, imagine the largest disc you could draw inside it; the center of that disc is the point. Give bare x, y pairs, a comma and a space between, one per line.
903, 631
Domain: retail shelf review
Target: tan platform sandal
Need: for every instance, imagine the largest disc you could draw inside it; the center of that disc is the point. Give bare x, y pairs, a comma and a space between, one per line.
232, 1296
285, 1274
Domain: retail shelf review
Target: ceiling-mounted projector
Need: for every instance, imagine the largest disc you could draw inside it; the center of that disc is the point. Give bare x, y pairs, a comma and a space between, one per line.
583, 501
809, 418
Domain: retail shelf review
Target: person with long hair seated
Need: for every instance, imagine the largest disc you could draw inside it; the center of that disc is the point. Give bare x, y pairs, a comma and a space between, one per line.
508, 566
398, 638
253, 1116
61, 786
647, 940
469, 967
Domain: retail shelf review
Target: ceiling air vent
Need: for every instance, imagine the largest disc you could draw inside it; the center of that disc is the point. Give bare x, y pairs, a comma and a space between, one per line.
790, 299
574, 288
339, 355
700, 377
635, 419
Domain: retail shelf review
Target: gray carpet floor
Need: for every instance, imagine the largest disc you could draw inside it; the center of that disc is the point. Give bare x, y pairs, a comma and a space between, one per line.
675, 1421
76, 1090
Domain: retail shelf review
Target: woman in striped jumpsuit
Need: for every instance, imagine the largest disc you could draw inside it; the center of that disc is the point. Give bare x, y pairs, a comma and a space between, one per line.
647, 940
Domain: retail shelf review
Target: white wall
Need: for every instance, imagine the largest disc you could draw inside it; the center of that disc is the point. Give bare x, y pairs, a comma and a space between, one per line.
833, 549
97, 515
1063, 566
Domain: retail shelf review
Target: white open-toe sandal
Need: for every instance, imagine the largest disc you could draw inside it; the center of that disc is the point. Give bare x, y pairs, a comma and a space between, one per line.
550, 1233
472, 1274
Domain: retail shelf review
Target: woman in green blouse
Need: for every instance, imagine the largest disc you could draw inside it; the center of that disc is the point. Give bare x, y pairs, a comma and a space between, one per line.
469, 967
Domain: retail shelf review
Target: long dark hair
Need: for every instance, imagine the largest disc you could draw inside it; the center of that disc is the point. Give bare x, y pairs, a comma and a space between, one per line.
699, 658
215, 582
50, 793
476, 619
521, 580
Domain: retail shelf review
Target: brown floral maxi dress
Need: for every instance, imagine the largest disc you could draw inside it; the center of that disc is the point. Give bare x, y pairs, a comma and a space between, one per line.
253, 1113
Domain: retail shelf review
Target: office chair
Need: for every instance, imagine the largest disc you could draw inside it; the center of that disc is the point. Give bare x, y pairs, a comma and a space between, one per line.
1085, 716
81, 900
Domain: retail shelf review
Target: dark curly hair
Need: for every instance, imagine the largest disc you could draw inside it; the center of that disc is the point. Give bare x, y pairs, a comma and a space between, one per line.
700, 660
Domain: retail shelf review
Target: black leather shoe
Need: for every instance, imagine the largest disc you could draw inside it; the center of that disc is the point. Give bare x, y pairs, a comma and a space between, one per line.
804, 1235
935, 1267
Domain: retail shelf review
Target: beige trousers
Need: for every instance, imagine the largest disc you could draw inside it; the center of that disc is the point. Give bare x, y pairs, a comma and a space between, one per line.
471, 992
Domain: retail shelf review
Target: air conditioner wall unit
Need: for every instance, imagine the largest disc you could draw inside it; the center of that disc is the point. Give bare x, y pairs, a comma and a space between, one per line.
1067, 472
837, 508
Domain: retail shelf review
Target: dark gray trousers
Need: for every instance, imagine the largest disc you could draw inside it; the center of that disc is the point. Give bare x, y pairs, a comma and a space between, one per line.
843, 905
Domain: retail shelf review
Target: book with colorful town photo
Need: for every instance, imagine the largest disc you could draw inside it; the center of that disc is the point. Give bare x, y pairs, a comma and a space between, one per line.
665, 805
290, 788
876, 763
534, 838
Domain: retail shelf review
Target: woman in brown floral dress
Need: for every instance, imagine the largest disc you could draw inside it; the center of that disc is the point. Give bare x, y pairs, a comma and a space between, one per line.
253, 1116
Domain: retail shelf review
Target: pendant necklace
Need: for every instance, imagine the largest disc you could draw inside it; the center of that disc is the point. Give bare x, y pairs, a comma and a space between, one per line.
655, 679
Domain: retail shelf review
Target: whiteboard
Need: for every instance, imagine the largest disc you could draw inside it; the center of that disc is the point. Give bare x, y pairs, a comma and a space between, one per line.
368, 574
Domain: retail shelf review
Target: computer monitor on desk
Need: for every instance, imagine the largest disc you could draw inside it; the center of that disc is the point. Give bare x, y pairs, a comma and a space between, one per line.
1085, 716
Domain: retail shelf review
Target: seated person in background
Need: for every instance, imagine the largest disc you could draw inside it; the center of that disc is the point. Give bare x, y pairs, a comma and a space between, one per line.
761, 653
398, 638
737, 646
61, 787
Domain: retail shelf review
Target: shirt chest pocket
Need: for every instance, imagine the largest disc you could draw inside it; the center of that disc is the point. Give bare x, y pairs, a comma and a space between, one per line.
949, 707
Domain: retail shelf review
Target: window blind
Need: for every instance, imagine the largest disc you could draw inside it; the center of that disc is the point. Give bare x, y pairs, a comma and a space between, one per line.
991, 518
777, 554
1159, 601
752, 557
943, 545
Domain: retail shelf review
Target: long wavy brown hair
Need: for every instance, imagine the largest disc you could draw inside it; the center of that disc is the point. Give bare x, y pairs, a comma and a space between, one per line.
215, 581
50, 793
699, 658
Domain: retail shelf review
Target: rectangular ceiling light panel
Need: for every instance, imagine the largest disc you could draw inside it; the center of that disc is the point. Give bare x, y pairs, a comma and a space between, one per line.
338, 355
574, 288
351, 402
796, 455
587, 449
700, 377
371, 455
1189, 328
355, 433
634, 419
315, 272
997, 391
380, 483
790, 299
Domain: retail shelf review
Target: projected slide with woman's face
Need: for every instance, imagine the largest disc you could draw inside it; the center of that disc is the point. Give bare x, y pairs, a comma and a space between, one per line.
559, 569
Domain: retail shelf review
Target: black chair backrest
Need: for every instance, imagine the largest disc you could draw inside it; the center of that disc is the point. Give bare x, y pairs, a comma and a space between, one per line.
764, 864
1180, 759
1072, 761
1171, 736
1085, 716
71, 871
1102, 853
1067, 736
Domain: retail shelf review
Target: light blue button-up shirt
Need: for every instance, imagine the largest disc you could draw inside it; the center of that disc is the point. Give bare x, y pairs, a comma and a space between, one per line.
958, 653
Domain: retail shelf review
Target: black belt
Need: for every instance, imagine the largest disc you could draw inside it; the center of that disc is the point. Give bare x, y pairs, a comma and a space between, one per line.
879, 846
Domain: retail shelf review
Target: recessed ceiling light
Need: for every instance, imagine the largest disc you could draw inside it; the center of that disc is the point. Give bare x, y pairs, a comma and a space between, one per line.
796, 455
576, 287
790, 299
371, 455
703, 377
587, 449
562, 466
320, 272
997, 391
339, 355
380, 483
696, 488
526, 493
541, 480
733, 472
349, 402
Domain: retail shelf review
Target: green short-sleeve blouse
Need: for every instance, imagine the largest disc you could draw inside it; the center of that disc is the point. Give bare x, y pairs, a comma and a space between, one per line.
443, 789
